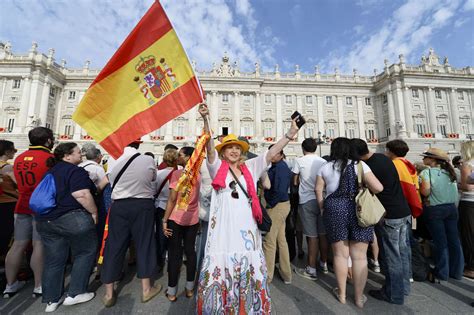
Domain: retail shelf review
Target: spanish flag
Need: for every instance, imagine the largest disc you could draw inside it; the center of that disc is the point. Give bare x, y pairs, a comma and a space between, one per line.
146, 83
410, 186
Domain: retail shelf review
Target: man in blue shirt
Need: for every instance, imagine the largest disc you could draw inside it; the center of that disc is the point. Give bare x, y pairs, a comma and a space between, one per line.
278, 206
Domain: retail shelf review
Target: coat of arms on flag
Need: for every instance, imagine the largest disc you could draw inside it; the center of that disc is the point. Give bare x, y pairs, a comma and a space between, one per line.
155, 80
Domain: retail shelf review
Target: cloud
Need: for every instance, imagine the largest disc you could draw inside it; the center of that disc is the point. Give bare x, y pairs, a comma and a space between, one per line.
206, 28
461, 22
410, 28
468, 5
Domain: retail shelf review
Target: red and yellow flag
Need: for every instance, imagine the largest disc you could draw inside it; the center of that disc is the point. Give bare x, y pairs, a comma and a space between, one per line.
146, 83
410, 186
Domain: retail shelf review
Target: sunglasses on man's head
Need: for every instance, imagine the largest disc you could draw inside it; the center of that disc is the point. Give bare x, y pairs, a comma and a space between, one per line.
233, 186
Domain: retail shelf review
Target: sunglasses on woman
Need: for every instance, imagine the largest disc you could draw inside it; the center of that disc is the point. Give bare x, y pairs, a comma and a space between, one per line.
233, 186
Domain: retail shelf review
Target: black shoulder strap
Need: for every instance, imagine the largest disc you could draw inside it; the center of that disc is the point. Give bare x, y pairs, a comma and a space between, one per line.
238, 182
123, 169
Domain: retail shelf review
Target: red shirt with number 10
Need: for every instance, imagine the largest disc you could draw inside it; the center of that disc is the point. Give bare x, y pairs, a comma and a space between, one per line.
29, 169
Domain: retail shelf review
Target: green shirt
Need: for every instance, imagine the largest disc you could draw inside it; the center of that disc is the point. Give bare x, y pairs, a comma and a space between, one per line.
443, 190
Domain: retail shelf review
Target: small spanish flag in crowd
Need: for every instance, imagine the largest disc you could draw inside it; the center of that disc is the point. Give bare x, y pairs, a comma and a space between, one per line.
409, 182
147, 82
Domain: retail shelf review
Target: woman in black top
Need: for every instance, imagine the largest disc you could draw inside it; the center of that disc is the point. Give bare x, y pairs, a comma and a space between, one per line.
70, 226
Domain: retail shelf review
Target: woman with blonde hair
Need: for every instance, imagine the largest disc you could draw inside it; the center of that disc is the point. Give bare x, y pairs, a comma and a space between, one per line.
233, 277
466, 207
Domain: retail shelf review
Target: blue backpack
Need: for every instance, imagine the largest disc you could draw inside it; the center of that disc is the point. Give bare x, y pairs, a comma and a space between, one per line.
43, 199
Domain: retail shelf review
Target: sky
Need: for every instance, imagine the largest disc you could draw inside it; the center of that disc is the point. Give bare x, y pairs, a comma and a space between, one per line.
346, 34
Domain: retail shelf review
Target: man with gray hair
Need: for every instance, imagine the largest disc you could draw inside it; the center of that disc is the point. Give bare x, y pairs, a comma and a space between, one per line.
91, 165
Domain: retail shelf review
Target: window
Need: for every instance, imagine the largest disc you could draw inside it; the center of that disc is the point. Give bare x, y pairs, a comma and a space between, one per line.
329, 100
16, 84
384, 98
415, 93
465, 122
48, 125
180, 129
350, 133
460, 95
68, 130
309, 131
370, 134
268, 98
438, 94
52, 92
11, 124
246, 129
330, 133
225, 98
288, 99
388, 132
442, 129
309, 99
368, 101
14, 98
72, 95
246, 98
267, 130
420, 129
349, 100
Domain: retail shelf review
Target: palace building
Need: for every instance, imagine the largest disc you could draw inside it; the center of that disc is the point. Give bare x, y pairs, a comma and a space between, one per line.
429, 104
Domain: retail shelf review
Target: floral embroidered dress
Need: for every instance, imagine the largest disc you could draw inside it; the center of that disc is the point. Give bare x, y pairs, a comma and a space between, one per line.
233, 278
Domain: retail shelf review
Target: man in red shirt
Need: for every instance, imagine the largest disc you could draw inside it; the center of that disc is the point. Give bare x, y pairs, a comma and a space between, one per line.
29, 168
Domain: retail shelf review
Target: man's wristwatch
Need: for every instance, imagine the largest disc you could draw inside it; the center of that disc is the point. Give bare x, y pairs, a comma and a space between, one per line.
288, 137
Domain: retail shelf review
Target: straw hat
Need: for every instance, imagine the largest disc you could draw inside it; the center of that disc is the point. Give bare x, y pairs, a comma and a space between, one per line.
232, 139
436, 154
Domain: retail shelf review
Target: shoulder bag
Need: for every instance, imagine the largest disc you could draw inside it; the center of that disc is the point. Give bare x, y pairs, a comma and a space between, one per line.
369, 209
124, 168
266, 224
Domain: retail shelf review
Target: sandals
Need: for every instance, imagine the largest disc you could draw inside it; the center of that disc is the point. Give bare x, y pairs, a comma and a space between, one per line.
189, 293
360, 303
171, 298
340, 298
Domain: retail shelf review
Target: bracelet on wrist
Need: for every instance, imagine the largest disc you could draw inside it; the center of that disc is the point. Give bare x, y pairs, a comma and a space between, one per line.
164, 221
288, 137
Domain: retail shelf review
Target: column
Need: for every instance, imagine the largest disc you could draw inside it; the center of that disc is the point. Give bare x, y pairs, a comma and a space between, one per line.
258, 117
78, 131
431, 112
58, 112
4, 85
25, 97
400, 114
32, 102
168, 130
408, 113
214, 113
299, 108
279, 117
43, 112
192, 116
391, 115
454, 109
236, 115
340, 116
319, 105
360, 116
379, 117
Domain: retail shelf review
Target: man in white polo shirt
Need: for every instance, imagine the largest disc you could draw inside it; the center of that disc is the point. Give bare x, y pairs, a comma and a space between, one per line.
306, 168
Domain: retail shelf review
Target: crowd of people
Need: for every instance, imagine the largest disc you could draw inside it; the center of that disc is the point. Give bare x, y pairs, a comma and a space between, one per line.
131, 204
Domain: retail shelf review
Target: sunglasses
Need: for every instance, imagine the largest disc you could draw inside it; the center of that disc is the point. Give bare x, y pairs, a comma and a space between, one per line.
233, 186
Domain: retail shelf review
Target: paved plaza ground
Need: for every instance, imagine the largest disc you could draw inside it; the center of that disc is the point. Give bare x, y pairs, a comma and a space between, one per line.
300, 297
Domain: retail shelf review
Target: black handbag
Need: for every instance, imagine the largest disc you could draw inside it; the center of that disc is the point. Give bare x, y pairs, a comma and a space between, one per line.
266, 224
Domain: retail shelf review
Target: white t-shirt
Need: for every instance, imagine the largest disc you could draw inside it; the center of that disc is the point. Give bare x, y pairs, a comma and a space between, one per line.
332, 175
162, 199
307, 168
96, 172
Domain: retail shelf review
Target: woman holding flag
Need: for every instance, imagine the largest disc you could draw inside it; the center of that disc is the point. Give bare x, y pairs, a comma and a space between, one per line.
180, 225
233, 278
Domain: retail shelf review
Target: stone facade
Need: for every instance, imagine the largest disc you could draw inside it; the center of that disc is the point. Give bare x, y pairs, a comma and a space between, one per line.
430, 104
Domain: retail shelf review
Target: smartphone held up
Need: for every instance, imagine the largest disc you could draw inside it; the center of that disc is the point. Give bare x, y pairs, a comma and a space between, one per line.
300, 121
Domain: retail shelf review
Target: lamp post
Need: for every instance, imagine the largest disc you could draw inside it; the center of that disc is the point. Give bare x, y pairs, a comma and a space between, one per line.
320, 141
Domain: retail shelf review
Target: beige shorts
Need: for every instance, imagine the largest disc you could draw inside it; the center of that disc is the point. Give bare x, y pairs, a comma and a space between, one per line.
25, 228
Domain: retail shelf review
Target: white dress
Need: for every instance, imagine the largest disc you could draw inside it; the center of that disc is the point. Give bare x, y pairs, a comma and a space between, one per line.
233, 278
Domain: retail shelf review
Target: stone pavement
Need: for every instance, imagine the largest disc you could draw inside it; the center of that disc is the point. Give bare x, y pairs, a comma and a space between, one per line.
300, 297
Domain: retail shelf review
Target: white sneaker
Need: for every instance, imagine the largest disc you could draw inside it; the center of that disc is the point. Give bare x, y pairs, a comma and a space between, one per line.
80, 298
52, 306
324, 267
37, 292
12, 289
304, 272
374, 265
